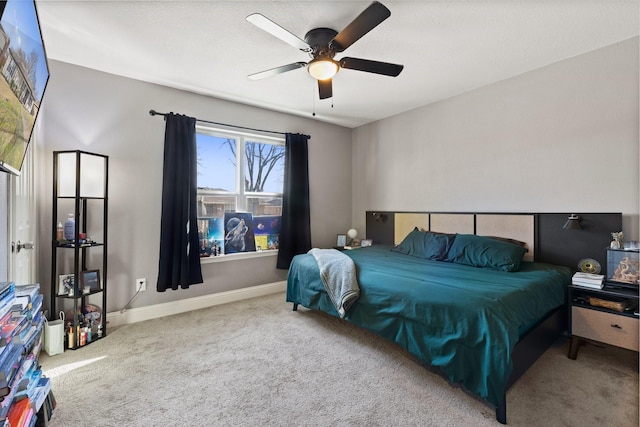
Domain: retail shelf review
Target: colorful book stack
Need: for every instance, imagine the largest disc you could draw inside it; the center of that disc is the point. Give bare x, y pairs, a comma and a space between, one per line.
25, 395
588, 280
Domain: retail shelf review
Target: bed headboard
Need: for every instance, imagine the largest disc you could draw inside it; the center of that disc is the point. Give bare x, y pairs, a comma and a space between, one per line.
546, 240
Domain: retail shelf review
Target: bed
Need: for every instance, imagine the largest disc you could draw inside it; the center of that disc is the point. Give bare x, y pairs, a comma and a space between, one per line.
480, 301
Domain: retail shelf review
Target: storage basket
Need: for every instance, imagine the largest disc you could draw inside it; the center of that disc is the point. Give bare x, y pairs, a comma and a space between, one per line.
611, 305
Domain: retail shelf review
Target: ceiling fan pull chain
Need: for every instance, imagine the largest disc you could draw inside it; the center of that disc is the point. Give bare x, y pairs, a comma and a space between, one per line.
313, 97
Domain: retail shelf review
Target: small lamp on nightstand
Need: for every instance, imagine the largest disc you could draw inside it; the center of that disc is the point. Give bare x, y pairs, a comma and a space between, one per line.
352, 233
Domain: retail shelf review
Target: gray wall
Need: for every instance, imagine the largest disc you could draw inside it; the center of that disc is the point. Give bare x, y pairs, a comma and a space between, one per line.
563, 138
98, 112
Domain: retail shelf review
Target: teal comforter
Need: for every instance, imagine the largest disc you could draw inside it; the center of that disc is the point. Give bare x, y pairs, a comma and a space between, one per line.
463, 320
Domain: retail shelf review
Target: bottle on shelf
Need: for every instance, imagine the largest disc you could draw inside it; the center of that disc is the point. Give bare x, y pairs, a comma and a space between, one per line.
60, 231
70, 228
71, 340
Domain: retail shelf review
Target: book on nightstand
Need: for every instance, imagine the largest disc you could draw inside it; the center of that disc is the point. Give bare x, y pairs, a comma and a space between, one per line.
588, 280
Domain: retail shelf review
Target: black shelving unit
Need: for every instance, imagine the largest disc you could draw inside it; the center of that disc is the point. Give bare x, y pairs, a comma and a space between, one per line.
79, 181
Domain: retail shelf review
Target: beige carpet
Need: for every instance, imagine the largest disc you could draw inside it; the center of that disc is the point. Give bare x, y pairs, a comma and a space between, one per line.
256, 363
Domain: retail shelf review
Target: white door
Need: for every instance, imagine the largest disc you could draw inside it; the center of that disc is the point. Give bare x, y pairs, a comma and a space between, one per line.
22, 225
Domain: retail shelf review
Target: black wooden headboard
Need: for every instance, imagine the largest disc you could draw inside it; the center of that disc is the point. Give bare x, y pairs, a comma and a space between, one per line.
552, 243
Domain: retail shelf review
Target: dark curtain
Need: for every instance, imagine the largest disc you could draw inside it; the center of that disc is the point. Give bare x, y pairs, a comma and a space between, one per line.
295, 231
179, 245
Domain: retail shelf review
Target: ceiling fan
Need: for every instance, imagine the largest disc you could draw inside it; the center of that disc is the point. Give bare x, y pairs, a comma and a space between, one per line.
322, 44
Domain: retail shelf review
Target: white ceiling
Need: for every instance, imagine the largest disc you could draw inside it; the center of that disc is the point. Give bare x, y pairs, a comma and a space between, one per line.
447, 47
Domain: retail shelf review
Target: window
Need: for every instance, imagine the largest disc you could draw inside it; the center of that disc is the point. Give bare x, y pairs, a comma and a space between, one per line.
240, 184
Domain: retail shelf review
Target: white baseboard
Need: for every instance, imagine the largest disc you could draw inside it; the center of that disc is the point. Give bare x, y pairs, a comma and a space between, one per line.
134, 315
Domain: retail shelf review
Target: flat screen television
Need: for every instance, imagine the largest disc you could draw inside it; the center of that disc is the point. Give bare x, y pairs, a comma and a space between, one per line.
24, 74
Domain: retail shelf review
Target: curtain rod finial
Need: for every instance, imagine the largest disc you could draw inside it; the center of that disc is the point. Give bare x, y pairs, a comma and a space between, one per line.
155, 113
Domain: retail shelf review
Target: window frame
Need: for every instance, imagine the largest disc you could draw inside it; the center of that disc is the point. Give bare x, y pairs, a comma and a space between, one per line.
241, 195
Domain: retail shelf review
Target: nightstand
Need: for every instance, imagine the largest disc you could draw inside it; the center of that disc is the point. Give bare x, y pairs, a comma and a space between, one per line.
608, 315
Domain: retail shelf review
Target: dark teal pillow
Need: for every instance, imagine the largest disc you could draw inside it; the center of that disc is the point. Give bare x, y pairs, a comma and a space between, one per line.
425, 244
413, 244
438, 245
485, 252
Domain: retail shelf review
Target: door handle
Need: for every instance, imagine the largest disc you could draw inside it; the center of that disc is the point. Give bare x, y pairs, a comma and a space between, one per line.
25, 245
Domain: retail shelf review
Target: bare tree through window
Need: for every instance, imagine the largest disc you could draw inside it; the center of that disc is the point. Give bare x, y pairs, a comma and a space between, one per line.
261, 161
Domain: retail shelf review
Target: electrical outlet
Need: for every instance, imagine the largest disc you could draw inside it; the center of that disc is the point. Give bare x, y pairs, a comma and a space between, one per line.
141, 285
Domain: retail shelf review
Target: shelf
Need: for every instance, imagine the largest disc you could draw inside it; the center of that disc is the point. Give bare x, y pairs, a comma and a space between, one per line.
82, 198
89, 343
609, 289
97, 291
79, 179
73, 246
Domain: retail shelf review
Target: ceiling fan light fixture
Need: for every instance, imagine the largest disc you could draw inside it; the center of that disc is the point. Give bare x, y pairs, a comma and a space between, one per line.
323, 43
322, 68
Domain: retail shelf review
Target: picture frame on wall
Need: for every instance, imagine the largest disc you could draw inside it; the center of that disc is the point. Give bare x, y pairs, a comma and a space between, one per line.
65, 284
341, 240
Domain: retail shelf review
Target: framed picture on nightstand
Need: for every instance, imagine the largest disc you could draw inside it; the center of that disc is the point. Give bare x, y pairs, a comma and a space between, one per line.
342, 240
366, 242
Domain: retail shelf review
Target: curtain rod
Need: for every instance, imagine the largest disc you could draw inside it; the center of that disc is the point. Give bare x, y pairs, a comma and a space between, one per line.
155, 113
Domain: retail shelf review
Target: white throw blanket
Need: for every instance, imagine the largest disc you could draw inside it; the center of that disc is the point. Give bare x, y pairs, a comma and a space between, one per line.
338, 273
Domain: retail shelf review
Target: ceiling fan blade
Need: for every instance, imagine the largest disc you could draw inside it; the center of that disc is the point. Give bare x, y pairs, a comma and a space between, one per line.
370, 18
277, 70
369, 66
276, 30
325, 88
